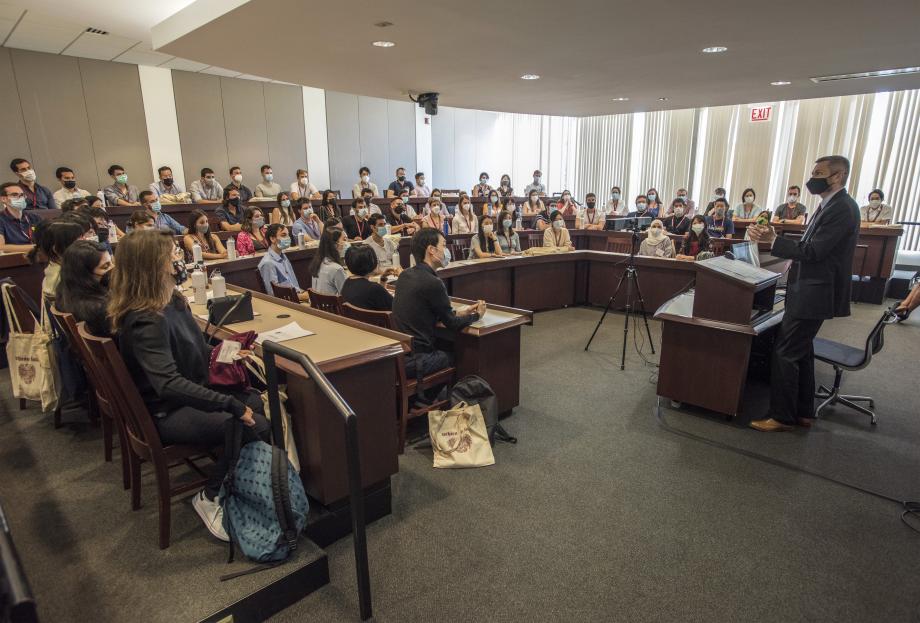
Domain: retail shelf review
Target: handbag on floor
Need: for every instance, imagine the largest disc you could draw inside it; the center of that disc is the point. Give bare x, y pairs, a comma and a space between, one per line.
30, 357
475, 390
458, 437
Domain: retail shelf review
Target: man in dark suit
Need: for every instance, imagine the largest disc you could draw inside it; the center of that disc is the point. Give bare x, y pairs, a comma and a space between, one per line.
818, 289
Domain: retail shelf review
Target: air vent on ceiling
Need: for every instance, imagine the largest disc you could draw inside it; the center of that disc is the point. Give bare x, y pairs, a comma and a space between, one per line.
881, 73
97, 31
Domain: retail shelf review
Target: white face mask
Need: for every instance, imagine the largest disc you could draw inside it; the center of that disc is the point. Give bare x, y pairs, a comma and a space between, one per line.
682, 198
697, 228
655, 233
362, 212
29, 175
875, 203
487, 229
465, 207
365, 178
435, 210
303, 180
748, 200
421, 182
678, 211
238, 178
641, 207
558, 224
792, 199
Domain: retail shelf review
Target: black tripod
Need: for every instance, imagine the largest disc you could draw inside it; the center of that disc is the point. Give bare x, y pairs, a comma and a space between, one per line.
631, 277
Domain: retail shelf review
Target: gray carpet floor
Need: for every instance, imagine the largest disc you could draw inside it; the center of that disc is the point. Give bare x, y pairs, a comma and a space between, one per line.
599, 513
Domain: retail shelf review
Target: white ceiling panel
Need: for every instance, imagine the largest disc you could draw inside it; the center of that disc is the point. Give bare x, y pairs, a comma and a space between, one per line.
183, 65
220, 71
102, 47
9, 15
251, 77
41, 33
141, 54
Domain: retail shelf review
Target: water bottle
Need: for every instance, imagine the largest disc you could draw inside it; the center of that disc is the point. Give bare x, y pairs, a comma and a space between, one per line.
397, 263
518, 224
200, 286
218, 284
113, 231
301, 240
411, 261
197, 258
231, 248
101, 196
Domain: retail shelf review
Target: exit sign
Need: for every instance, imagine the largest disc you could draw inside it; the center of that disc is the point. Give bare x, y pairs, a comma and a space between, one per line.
761, 113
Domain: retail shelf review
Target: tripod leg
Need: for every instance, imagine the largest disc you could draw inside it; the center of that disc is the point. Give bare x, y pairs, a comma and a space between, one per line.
641, 308
628, 276
606, 309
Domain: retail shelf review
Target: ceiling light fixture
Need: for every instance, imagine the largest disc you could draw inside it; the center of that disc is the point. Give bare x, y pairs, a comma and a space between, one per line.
662, 99
715, 49
780, 83
530, 77
384, 44
620, 99
881, 73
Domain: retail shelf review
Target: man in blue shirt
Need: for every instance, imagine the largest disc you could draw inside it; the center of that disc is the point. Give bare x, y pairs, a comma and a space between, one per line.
641, 208
230, 211
36, 196
400, 184
15, 223
719, 222
275, 266
163, 221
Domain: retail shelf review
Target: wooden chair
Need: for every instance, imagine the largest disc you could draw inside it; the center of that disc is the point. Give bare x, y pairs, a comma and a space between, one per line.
259, 281
535, 240
288, 293
326, 302
619, 246
458, 251
143, 440
405, 387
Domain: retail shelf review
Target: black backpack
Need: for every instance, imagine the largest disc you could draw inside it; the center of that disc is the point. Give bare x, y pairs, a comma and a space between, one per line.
474, 390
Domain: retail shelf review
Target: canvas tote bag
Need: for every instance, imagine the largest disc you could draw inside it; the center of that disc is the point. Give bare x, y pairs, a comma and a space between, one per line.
257, 367
459, 438
30, 358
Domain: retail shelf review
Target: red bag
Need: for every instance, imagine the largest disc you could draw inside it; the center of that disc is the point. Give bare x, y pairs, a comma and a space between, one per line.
231, 374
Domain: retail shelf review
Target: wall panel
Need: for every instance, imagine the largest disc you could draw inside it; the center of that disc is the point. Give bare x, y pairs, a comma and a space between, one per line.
287, 148
373, 141
14, 142
245, 126
200, 113
344, 142
401, 138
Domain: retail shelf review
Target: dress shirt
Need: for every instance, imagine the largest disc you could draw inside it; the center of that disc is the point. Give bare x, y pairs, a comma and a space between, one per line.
39, 199
311, 230
162, 189
114, 192
17, 230
64, 194
277, 267
166, 222
201, 190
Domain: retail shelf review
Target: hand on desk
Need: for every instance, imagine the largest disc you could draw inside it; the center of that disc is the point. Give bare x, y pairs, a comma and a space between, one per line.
478, 307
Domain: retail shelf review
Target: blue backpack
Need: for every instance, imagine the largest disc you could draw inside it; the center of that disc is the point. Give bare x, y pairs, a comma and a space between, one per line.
265, 505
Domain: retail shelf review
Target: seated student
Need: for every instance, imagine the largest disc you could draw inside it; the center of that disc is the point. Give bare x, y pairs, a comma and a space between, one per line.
140, 219
326, 266
641, 208
537, 185
100, 221
719, 223
903, 309
380, 244
399, 184
83, 288
283, 213
308, 223
696, 240
542, 222
421, 189
482, 189
678, 222
372, 208
302, 188
333, 223
616, 206
364, 182
689, 204
435, 216
161, 220
657, 243
411, 212
358, 289
328, 208
206, 189
119, 193
654, 203
747, 210
16, 223
252, 232
68, 189
357, 226
464, 221
485, 243
504, 188
877, 212
199, 230
792, 211
591, 217
718, 193
167, 189
533, 205
421, 302
52, 239
492, 207
435, 197
168, 360
557, 235
399, 221
230, 211
267, 187
236, 183
508, 239
566, 205
275, 265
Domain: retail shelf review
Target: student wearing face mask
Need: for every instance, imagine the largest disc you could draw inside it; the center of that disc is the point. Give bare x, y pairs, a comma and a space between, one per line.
696, 240
83, 288
162, 220
100, 223
372, 208
566, 204
308, 223
328, 207
68, 189
876, 212
230, 212
360, 291
275, 265
268, 187
556, 235
508, 239
400, 222
641, 207
421, 302
689, 204
167, 188
537, 184
657, 243
364, 182
357, 226
616, 206
654, 203
326, 268
251, 237
504, 188
37, 196
464, 221
199, 230
399, 184
119, 193
482, 189
436, 217
16, 224
747, 210
493, 206
591, 217
485, 242
52, 239
236, 183
718, 193
383, 246
533, 205
719, 222
792, 211
206, 189
678, 222
283, 213
302, 188
140, 219
421, 189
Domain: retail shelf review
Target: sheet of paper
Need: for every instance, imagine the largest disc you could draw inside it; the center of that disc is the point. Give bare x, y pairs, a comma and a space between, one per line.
290, 331
228, 351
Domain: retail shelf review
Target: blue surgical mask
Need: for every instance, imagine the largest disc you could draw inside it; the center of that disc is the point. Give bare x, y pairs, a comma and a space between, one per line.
652, 196
285, 203
447, 257
156, 207
18, 203
615, 196
284, 243
507, 223
381, 231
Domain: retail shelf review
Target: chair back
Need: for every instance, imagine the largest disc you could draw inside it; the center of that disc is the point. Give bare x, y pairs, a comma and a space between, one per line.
119, 389
876, 339
259, 281
22, 309
535, 240
380, 319
288, 293
619, 246
326, 302
68, 325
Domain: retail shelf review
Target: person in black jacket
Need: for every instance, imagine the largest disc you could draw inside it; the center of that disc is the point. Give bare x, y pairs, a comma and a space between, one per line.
168, 359
358, 290
83, 288
818, 289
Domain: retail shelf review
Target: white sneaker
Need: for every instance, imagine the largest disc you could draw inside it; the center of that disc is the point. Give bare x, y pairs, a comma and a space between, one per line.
212, 514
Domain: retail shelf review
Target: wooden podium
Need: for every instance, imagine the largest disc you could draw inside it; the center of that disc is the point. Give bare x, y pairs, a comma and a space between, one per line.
707, 333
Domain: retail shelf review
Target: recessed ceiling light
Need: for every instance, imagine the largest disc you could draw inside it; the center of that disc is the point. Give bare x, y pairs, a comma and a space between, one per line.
869, 74
530, 77
384, 44
662, 99
715, 49
780, 83
620, 99
383, 24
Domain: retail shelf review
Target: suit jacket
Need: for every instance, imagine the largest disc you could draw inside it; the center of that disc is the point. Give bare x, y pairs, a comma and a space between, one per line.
820, 278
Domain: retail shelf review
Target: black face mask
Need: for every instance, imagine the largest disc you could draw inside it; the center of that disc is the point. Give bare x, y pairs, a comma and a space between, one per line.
401, 178
103, 234
817, 185
590, 205
235, 202
104, 280
398, 209
168, 181
180, 273
71, 184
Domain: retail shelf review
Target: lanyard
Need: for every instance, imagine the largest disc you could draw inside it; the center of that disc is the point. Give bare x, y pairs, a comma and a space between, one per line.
557, 237
878, 213
591, 214
360, 225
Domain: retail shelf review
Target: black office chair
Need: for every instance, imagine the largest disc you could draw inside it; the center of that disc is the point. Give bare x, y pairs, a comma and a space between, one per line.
843, 357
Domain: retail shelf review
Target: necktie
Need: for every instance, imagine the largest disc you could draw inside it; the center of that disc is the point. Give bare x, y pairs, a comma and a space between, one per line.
814, 219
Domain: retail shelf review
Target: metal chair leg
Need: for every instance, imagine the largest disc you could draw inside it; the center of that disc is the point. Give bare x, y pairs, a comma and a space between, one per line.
868, 399
857, 407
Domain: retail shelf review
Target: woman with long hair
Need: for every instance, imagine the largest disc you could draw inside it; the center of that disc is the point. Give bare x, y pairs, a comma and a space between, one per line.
83, 289
328, 207
199, 230
485, 242
696, 240
508, 239
284, 212
252, 234
168, 359
52, 238
326, 267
